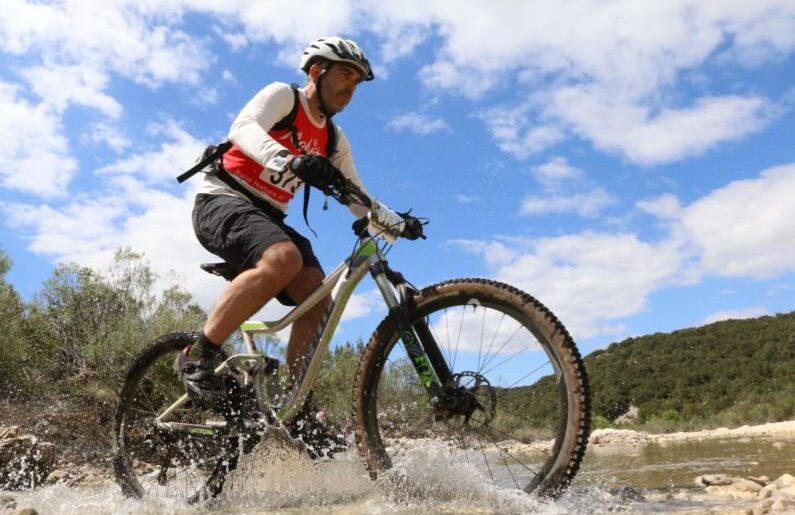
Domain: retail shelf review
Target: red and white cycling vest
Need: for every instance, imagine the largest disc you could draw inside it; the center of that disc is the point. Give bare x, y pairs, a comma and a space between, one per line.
281, 186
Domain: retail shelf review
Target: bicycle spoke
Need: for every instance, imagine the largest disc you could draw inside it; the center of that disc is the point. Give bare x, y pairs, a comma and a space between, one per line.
443, 347
485, 459
507, 466
494, 336
517, 460
482, 332
503, 345
458, 340
539, 367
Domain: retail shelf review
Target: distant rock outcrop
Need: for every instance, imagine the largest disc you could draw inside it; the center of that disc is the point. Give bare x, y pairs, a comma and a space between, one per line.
631, 417
770, 496
25, 461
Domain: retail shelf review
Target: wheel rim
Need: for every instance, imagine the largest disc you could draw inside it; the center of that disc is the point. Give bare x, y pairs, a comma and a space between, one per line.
517, 445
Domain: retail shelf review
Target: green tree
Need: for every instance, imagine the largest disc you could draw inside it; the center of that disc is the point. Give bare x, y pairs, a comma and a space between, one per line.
14, 352
86, 326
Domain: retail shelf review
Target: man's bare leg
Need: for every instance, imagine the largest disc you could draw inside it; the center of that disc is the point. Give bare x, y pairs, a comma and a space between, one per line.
304, 329
250, 290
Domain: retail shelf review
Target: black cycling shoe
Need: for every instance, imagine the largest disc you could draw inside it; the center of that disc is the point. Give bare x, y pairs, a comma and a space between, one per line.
312, 428
204, 388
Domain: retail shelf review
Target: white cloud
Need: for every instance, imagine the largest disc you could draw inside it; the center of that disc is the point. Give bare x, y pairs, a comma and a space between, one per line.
88, 229
587, 204
446, 75
110, 136
670, 134
634, 53
665, 207
555, 172
572, 76
516, 135
746, 229
137, 40
590, 280
207, 96
736, 314
418, 123
364, 304
496, 253
61, 86
467, 199
34, 153
176, 153
236, 42
80, 231
229, 77
587, 279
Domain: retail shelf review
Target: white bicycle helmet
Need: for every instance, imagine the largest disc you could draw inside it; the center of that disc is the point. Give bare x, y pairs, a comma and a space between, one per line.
337, 49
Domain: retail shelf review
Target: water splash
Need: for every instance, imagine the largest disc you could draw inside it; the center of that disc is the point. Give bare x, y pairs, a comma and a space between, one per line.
276, 479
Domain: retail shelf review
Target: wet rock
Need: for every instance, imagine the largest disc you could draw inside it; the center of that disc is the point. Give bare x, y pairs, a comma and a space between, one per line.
732, 491
602, 437
731, 487
714, 480
763, 507
628, 494
25, 461
57, 476
784, 486
7, 502
762, 480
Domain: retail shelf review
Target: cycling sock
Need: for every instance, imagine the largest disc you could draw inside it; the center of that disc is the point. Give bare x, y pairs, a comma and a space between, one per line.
204, 349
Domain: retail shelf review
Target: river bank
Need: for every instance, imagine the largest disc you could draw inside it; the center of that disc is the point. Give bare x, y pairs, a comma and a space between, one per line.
602, 438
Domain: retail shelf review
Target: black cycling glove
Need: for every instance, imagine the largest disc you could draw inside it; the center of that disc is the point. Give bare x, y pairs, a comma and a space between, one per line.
315, 171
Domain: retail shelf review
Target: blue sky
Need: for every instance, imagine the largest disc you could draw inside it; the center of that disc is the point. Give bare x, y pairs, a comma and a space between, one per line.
631, 164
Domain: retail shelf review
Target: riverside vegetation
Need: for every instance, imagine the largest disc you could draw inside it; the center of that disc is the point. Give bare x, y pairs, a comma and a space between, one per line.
71, 343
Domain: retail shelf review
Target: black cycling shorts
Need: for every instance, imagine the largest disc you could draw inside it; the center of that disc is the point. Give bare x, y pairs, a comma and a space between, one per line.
239, 232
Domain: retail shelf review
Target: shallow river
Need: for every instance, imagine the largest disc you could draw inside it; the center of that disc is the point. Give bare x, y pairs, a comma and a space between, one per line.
662, 475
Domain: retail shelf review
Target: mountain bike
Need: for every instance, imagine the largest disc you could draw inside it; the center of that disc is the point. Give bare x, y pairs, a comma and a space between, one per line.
475, 367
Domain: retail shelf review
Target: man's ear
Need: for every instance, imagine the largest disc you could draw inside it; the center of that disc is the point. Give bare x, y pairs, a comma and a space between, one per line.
316, 69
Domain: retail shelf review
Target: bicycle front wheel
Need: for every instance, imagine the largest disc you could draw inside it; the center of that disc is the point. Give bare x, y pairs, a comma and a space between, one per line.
528, 425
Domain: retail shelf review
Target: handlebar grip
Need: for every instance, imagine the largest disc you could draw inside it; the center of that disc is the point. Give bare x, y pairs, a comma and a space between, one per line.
413, 229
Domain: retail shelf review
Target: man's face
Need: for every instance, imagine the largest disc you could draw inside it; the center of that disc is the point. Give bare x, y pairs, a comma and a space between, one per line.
339, 83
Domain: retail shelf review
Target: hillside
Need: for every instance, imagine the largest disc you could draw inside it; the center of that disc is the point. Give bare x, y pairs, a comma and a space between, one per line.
729, 373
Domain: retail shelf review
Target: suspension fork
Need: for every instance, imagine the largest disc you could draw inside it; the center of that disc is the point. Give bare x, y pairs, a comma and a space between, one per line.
417, 339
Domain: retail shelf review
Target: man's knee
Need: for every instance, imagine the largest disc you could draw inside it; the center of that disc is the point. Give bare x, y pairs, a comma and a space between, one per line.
282, 257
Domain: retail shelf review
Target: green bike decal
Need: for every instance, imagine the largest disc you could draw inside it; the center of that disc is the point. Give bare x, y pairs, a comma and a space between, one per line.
426, 372
419, 359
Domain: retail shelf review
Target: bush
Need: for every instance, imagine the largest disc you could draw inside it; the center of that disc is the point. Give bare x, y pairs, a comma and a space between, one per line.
85, 326
600, 422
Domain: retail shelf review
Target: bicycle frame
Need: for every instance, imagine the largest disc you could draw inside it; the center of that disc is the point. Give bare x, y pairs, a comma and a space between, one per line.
340, 284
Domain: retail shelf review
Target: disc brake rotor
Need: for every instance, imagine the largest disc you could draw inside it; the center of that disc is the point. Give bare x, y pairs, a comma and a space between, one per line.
476, 399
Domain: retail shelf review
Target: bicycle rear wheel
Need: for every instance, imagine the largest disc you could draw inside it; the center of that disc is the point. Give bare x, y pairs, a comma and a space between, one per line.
529, 424
151, 459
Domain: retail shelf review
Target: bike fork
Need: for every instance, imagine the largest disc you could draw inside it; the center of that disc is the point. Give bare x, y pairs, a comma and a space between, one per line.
423, 350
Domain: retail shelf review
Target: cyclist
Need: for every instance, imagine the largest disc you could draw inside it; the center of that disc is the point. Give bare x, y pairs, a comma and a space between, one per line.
239, 210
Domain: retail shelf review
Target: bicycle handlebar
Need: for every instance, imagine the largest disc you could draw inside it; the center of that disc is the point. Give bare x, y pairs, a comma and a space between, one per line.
381, 221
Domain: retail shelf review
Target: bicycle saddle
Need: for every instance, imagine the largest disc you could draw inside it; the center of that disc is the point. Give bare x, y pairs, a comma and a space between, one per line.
222, 269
